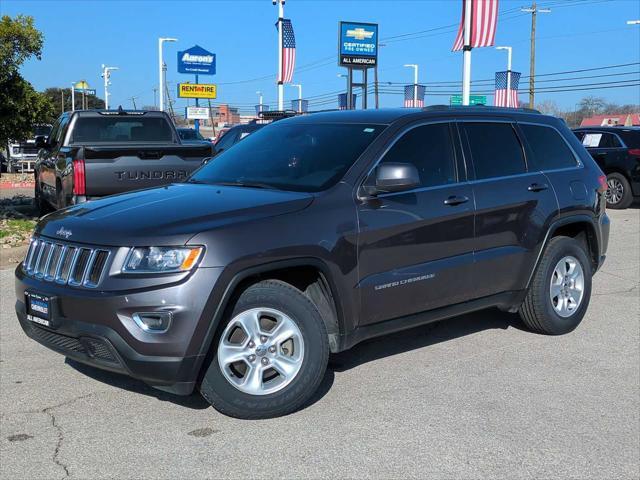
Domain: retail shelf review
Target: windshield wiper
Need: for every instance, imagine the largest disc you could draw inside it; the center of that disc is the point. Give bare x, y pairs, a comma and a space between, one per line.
246, 184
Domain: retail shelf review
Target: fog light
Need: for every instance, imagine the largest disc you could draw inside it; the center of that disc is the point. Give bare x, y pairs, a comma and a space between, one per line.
153, 322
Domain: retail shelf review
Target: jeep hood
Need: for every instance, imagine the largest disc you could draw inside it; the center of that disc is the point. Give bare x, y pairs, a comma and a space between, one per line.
168, 215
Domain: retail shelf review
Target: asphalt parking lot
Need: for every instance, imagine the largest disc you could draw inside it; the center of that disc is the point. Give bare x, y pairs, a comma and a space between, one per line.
475, 396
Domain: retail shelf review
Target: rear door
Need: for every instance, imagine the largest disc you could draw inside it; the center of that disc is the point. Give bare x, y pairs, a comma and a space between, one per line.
513, 206
415, 248
606, 149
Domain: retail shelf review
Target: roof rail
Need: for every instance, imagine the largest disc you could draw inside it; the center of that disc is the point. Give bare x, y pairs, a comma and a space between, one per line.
488, 107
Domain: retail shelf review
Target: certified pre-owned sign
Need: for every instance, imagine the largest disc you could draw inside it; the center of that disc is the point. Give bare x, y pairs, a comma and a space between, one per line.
358, 46
197, 90
197, 60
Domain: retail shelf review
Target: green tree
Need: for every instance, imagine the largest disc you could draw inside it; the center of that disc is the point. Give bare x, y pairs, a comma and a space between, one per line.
58, 95
20, 105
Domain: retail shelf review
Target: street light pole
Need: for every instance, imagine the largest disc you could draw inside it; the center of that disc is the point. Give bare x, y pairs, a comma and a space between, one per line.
73, 96
509, 50
533, 10
161, 40
299, 87
466, 54
415, 82
259, 101
106, 75
280, 83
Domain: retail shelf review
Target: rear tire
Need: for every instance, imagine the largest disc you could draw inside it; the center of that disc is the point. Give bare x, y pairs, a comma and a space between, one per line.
227, 384
619, 194
560, 289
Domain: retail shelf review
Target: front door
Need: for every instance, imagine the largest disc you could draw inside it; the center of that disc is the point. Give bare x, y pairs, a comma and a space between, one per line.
415, 248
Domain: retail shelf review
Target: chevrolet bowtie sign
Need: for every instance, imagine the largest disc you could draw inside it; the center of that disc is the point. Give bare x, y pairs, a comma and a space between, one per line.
197, 90
358, 45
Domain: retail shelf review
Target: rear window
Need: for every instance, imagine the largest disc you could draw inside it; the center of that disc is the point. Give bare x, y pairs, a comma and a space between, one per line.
549, 149
117, 129
495, 149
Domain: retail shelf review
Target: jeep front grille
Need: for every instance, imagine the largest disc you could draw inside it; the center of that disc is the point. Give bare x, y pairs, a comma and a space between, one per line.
64, 263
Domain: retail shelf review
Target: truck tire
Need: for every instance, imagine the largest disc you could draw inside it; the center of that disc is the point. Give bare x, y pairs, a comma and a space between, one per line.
42, 206
619, 194
560, 290
270, 353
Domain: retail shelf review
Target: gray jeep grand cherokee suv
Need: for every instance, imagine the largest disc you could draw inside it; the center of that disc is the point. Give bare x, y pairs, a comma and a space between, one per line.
311, 235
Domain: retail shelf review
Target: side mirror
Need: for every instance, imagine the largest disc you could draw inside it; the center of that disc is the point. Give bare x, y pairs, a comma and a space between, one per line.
394, 177
41, 141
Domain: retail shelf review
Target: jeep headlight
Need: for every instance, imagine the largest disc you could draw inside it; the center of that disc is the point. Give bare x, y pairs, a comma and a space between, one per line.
162, 259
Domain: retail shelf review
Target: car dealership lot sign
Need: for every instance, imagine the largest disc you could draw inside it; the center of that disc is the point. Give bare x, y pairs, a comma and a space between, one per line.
358, 44
197, 90
197, 60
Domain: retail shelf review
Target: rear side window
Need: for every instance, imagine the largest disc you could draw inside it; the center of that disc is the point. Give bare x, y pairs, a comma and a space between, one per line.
429, 148
549, 149
495, 149
609, 140
631, 138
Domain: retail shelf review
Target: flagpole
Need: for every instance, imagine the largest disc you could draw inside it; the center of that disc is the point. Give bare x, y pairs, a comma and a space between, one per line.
466, 65
280, 83
509, 50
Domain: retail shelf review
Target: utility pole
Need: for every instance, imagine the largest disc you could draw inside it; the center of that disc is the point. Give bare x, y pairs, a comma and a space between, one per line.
73, 96
106, 75
280, 4
155, 98
299, 87
62, 98
533, 10
133, 100
415, 82
259, 101
161, 88
509, 51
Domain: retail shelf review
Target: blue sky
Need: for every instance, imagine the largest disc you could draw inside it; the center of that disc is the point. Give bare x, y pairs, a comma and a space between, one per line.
81, 35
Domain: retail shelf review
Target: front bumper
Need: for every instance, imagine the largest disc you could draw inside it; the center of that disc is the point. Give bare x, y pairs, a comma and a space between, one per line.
96, 328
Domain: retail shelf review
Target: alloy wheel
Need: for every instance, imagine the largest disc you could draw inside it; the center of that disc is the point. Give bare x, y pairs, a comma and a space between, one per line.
567, 286
260, 351
615, 191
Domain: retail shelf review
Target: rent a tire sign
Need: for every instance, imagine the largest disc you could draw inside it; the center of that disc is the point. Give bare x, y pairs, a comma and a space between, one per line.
197, 90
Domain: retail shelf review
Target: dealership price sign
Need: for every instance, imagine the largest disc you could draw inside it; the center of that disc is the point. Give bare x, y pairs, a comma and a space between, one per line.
358, 44
197, 90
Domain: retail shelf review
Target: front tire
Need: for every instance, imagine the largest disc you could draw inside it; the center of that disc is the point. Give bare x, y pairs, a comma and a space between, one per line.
560, 289
619, 194
271, 354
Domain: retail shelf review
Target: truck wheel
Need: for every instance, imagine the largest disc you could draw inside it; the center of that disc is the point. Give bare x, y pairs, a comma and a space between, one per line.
619, 194
42, 206
271, 354
560, 289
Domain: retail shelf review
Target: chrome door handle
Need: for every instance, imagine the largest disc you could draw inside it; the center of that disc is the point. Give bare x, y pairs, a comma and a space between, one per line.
456, 200
537, 187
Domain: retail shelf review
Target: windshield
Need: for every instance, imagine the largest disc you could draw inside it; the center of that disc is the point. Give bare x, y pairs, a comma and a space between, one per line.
188, 134
121, 129
306, 158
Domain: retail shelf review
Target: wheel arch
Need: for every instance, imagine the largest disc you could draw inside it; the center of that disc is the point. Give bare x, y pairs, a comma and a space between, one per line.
580, 227
275, 270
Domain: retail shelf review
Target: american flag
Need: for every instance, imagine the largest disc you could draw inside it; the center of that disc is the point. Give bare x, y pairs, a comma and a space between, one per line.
288, 52
342, 100
504, 98
409, 92
484, 20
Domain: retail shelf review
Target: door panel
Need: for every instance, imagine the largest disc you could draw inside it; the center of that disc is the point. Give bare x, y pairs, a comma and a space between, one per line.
511, 219
415, 252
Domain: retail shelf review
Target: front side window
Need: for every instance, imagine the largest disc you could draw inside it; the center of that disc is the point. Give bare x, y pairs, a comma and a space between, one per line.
549, 149
430, 150
495, 149
298, 157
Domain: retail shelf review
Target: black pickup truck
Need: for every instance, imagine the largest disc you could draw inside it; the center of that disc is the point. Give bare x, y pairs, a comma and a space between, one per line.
91, 154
